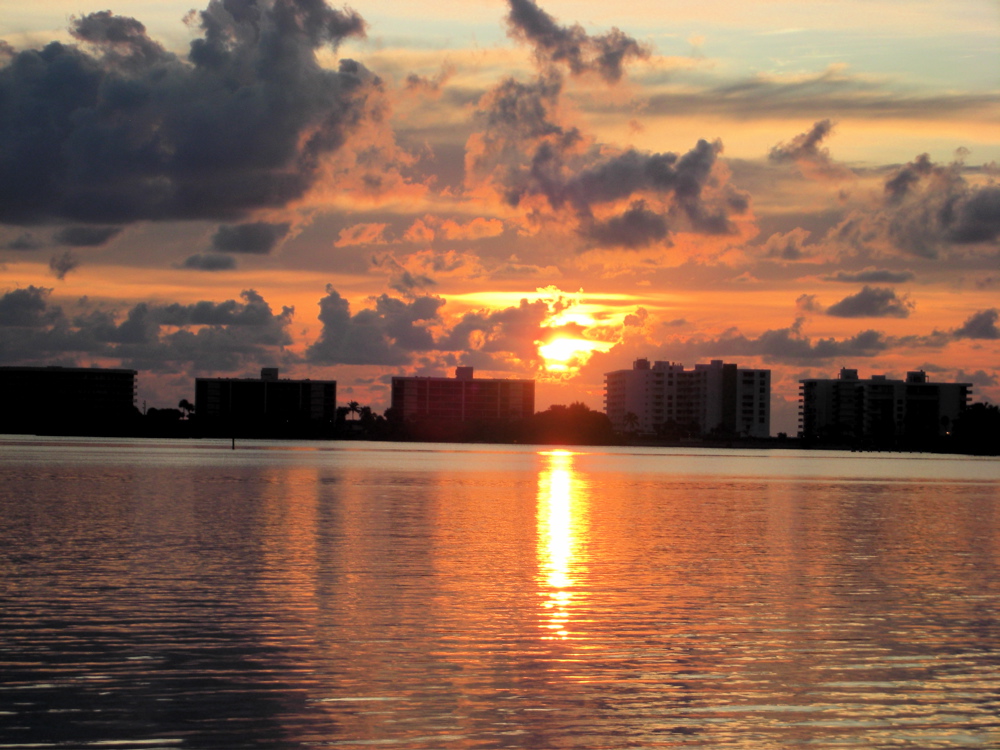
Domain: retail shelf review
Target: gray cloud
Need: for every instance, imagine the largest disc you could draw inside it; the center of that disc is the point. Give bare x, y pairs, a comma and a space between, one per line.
205, 336
85, 236
128, 131
638, 227
871, 276
60, 265
605, 55
872, 302
253, 238
210, 262
24, 241
805, 150
980, 325
385, 335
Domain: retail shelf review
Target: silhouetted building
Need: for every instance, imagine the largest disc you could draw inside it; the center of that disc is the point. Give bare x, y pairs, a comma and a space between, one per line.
266, 407
70, 400
715, 398
462, 398
880, 410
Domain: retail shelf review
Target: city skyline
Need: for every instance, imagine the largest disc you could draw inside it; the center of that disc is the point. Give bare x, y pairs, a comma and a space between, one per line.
541, 191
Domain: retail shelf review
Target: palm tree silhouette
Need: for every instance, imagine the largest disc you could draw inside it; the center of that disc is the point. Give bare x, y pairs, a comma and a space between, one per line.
353, 407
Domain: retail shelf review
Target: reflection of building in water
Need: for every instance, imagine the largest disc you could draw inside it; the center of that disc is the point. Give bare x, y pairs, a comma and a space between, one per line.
561, 535
712, 397
462, 398
879, 408
265, 406
41, 399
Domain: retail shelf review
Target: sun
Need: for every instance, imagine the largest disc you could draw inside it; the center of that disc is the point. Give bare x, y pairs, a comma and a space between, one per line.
566, 354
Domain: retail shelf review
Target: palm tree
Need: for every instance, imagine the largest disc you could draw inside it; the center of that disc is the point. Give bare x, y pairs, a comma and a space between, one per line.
353, 407
631, 421
187, 407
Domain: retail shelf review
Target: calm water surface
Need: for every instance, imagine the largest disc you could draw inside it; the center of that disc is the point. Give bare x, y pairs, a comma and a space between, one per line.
185, 595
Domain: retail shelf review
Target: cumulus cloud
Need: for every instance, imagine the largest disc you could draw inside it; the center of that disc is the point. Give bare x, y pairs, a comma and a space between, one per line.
927, 209
980, 325
252, 238
116, 129
872, 302
387, 334
808, 303
638, 227
205, 336
210, 262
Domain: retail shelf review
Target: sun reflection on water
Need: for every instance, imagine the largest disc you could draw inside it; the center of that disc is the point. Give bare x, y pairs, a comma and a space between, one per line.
561, 536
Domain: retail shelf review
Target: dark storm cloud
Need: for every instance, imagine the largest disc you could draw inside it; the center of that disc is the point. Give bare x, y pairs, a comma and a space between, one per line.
205, 336
638, 227
85, 236
210, 262
60, 265
571, 45
871, 276
980, 325
117, 129
385, 335
872, 302
254, 238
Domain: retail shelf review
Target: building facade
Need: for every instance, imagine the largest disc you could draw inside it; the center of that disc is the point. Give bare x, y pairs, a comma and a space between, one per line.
266, 406
715, 397
73, 399
463, 398
880, 409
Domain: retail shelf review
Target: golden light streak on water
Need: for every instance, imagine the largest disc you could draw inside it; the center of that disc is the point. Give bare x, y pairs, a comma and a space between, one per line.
561, 539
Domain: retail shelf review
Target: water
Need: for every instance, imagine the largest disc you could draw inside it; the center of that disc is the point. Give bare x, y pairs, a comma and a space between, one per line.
185, 595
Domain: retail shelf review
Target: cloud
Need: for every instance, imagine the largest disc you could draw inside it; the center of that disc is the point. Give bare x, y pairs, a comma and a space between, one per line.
60, 265
24, 241
205, 336
805, 151
871, 276
86, 236
787, 245
872, 302
210, 262
980, 325
930, 207
117, 129
254, 238
387, 334
362, 234
808, 303
26, 308
638, 227
571, 46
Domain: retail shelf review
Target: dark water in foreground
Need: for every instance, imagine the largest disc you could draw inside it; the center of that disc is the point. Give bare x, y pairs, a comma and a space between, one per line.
183, 595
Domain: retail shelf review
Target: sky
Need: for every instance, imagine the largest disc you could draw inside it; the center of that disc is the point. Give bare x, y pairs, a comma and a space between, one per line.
539, 190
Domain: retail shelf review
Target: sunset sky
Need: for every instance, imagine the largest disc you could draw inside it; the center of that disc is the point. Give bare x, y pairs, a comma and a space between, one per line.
538, 190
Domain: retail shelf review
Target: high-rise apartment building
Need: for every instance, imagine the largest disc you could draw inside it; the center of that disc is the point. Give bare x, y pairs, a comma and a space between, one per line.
266, 406
880, 409
714, 397
71, 399
463, 398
